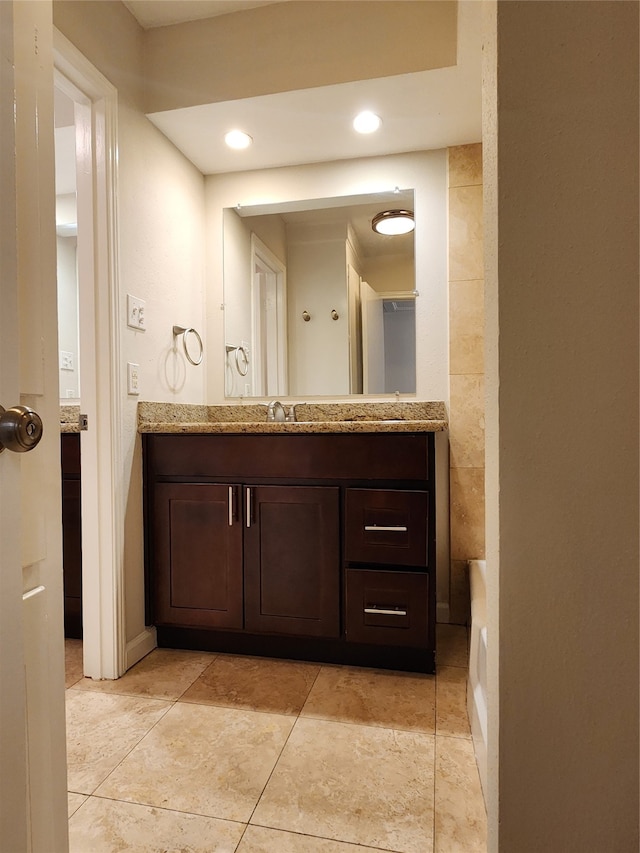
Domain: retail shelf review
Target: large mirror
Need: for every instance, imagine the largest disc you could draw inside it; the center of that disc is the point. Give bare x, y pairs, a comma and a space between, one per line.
316, 302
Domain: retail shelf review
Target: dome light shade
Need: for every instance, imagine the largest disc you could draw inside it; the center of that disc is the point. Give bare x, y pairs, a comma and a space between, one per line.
393, 222
238, 139
366, 122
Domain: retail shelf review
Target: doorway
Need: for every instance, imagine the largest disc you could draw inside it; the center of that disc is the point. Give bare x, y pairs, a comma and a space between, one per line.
269, 321
89, 101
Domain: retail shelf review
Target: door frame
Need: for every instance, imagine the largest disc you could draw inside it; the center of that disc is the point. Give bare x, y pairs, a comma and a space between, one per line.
99, 308
274, 268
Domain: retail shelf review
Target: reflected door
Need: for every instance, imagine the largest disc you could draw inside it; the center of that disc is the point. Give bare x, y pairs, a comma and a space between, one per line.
269, 324
372, 340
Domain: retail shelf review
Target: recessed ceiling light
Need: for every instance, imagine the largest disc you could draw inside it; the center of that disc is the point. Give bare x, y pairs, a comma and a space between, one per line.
238, 139
366, 122
393, 222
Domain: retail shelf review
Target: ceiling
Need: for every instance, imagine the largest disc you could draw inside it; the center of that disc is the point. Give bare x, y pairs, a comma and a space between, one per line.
420, 111
162, 13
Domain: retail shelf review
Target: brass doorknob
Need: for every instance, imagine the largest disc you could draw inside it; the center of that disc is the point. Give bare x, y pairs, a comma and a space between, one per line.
20, 429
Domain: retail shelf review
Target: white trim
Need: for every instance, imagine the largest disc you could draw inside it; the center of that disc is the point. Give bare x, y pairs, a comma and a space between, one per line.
140, 646
261, 252
103, 590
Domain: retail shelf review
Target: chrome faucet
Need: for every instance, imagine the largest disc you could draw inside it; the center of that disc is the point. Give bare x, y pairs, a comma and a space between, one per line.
275, 411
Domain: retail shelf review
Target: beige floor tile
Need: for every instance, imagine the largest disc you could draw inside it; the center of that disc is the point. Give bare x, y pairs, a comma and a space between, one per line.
74, 802
451, 702
202, 759
255, 684
460, 821
452, 645
101, 729
394, 700
162, 674
258, 839
109, 826
353, 783
72, 662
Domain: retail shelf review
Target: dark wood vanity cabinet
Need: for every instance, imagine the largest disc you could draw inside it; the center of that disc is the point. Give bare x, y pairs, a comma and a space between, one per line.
315, 546
291, 550
71, 534
198, 553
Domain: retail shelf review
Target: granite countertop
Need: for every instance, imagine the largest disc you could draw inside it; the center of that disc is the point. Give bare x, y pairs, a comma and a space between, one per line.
69, 418
178, 418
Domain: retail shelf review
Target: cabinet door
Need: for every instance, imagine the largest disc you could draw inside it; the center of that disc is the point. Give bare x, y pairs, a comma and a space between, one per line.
198, 555
72, 557
292, 564
71, 534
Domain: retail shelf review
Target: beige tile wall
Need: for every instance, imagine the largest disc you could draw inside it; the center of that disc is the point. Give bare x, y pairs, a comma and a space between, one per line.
466, 369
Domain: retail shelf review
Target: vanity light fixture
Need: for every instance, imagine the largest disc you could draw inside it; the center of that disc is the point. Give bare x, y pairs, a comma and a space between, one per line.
392, 222
366, 122
238, 139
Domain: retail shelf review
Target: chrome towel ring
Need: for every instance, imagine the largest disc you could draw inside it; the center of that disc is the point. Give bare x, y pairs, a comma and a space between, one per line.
180, 330
241, 358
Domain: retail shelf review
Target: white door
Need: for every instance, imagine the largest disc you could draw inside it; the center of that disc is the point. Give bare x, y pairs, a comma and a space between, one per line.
33, 813
269, 321
372, 340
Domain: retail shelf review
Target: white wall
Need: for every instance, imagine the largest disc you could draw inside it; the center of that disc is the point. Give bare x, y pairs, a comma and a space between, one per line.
425, 171
317, 283
160, 255
161, 217
562, 249
68, 315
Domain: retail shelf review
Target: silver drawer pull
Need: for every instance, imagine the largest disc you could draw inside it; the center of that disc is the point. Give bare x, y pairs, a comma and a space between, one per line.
382, 612
230, 506
248, 507
386, 529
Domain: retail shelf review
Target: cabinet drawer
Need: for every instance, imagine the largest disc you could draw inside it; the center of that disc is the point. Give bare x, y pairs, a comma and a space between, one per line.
385, 526
386, 607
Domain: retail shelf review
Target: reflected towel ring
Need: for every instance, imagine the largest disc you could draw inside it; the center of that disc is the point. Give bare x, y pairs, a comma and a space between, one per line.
242, 361
241, 358
180, 330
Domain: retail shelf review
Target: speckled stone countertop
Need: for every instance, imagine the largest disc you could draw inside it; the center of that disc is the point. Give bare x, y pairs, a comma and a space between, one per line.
310, 417
69, 418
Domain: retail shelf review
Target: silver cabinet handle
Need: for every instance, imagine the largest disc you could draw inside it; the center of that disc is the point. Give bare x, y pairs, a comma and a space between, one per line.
230, 506
398, 529
248, 507
382, 612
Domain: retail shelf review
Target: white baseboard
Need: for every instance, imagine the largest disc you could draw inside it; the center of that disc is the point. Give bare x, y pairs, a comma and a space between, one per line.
140, 646
442, 612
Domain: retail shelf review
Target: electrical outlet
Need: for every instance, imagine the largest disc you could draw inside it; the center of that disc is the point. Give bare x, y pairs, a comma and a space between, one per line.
133, 378
136, 313
66, 360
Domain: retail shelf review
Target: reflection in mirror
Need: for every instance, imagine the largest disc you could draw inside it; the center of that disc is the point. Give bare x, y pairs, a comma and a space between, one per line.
317, 303
66, 231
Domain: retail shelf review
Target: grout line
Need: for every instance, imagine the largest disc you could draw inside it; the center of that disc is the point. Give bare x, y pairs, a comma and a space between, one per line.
297, 717
137, 743
164, 808
357, 844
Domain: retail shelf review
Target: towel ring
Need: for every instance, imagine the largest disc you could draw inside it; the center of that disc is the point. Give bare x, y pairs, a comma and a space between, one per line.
180, 330
242, 361
241, 358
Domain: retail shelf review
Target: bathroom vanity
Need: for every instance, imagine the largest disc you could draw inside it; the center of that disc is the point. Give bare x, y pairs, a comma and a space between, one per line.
312, 540
71, 521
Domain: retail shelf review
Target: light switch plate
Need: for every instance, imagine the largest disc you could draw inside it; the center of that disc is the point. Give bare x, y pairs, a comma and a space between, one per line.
66, 360
136, 313
133, 378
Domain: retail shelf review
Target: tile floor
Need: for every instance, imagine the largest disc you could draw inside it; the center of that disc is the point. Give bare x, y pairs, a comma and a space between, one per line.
207, 753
